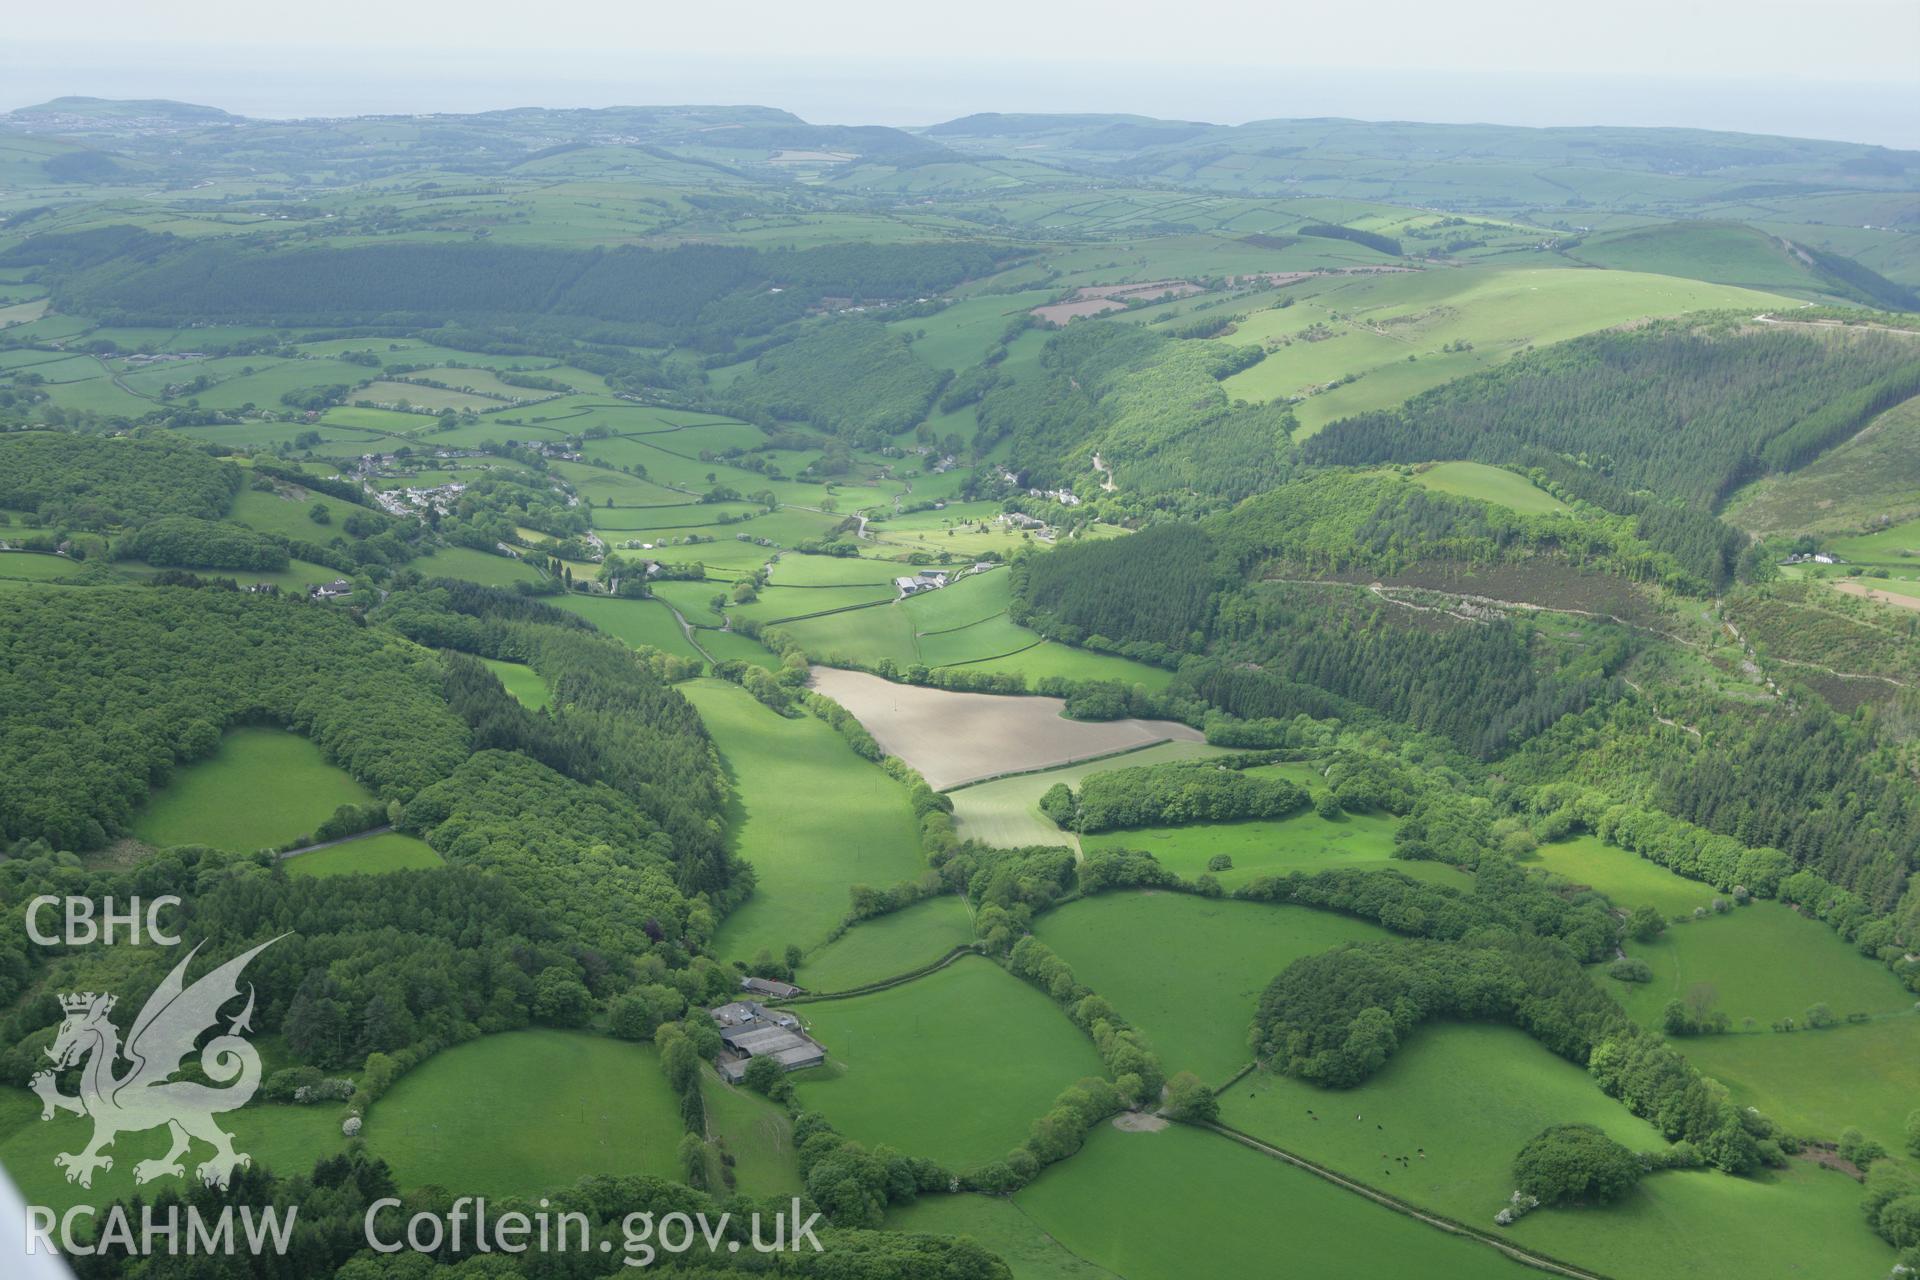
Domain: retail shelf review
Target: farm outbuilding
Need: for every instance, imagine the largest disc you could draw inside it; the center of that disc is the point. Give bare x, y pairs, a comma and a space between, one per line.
750, 1030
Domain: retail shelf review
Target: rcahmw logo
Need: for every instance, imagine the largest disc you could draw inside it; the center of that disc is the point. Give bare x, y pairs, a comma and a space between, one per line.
144, 1095
171, 1232
83, 929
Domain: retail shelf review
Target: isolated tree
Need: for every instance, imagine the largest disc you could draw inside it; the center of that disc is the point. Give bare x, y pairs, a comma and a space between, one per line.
1189, 1099
1575, 1162
1645, 924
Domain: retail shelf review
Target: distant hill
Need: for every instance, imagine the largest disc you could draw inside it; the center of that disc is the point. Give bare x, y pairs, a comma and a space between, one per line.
119, 110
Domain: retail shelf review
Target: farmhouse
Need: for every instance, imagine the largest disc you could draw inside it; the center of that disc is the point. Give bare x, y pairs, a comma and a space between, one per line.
769, 987
748, 1029
331, 590
911, 586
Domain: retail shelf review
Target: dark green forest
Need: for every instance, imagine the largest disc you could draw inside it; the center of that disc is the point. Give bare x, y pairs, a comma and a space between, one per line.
1684, 411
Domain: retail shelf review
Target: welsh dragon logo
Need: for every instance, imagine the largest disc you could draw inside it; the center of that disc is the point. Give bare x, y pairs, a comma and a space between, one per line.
143, 1096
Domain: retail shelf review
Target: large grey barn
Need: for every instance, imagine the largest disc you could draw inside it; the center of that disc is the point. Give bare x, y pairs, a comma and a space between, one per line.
748, 1029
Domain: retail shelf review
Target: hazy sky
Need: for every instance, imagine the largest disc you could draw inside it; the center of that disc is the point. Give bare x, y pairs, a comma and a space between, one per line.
1842, 68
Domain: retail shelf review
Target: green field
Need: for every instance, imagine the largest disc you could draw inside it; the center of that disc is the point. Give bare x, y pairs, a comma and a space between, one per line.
287, 1139
858, 637
1181, 1203
1763, 962
527, 686
1820, 1082
998, 1224
34, 566
778, 603
484, 567
889, 945
1469, 1096
1006, 811
1447, 1113
526, 1112
1374, 323
1304, 842
1489, 484
1188, 970
271, 513
959, 335
1051, 659
640, 623
794, 570
1726, 253
1627, 879
262, 787
1859, 484
812, 817
388, 851
926, 1067
756, 1133
1895, 547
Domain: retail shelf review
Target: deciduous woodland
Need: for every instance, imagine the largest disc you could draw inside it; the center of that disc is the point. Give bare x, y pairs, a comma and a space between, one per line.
1434, 791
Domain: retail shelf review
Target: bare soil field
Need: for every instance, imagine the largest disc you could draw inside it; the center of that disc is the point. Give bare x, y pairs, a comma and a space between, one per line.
953, 738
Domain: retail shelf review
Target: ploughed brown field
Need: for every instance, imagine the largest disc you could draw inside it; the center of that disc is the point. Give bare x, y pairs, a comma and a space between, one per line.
953, 738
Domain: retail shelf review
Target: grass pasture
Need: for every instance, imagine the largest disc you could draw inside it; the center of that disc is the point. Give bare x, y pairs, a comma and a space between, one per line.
996, 1223
261, 787
637, 623
776, 604
1304, 842
525, 1112
526, 686
1466, 1095
1470, 1096
865, 637
1763, 962
926, 1067
812, 817
756, 1133
271, 513
371, 855
483, 567
1050, 658
795, 570
1489, 484
36, 566
1186, 970
1819, 1082
1372, 324
890, 945
1182, 1202
1627, 879
1006, 811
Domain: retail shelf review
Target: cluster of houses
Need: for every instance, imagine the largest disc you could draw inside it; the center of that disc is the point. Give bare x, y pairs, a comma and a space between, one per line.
1816, 557
749, 1030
